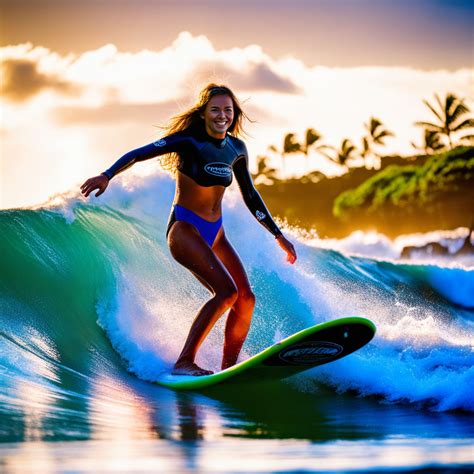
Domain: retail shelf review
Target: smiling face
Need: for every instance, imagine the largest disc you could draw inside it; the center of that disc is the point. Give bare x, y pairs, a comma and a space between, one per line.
218, 115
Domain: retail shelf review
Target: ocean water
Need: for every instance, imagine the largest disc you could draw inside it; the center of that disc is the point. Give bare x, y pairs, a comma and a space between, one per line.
93, 308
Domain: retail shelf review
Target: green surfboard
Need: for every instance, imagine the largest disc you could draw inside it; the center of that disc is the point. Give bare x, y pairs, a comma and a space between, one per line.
317, 345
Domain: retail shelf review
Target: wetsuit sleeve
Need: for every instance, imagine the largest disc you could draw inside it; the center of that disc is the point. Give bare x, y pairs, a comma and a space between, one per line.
251, 196
170, 144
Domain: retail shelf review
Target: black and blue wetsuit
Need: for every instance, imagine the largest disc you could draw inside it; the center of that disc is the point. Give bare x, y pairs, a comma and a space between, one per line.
209, 162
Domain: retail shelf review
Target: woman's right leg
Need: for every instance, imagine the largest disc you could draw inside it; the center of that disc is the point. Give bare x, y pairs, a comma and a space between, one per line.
190, 250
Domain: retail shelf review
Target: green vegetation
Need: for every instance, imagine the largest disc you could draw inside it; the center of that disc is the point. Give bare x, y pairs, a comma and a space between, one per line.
403, 185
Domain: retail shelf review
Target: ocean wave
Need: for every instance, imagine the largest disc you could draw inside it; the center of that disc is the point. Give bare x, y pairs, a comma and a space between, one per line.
82, 276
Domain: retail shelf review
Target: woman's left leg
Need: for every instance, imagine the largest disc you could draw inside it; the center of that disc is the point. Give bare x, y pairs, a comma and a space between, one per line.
240, 315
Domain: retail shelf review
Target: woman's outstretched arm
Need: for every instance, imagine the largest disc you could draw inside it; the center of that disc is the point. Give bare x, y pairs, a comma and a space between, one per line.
170, 144
257, 207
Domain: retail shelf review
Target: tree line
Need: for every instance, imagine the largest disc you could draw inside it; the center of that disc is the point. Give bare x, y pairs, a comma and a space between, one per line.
451, 120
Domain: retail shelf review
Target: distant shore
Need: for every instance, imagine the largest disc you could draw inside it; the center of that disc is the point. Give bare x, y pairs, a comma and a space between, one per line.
447, 201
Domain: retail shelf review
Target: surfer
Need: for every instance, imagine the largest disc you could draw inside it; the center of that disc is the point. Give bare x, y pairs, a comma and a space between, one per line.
203, 150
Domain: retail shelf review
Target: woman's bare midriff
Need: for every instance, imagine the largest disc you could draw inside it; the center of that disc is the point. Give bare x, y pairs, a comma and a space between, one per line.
202, 200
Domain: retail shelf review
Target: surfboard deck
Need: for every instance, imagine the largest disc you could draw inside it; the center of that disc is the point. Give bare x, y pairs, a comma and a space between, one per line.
317, 345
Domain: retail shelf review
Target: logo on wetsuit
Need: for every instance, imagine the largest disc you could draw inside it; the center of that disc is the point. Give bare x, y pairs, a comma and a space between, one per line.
218, 169
311, 352
160, 143
260, 215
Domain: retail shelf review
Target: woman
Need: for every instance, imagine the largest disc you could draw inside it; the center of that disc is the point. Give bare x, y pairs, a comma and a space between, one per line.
203, 149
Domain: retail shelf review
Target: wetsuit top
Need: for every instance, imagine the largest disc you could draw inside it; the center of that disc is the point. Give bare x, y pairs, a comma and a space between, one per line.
207, 161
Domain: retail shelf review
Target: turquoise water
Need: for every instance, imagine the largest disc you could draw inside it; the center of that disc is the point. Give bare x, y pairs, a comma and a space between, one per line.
93, 308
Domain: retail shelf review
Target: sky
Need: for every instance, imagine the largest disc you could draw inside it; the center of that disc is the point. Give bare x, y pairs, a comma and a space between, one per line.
84, 82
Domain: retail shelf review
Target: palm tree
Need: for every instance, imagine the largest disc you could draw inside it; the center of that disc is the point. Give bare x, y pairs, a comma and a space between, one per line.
451, 117
312, 137
431, 142
377, 135
345, 153
264, 172
290, 145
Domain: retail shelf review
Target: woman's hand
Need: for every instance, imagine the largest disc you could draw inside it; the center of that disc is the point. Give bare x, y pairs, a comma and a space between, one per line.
97, 182
287, 246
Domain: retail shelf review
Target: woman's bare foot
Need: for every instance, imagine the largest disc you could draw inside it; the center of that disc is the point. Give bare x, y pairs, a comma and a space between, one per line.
189, 368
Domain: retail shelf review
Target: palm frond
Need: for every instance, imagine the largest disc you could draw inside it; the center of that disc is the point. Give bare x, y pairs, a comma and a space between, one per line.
430, 126
381, 135
326, 154
450, 102
365, 147
374, 125
347, 148
433, 109
457, 110
468, 123
290, 145
273, 148
311, 137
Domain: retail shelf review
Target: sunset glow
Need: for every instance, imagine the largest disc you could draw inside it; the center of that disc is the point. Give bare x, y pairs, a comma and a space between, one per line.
68, 115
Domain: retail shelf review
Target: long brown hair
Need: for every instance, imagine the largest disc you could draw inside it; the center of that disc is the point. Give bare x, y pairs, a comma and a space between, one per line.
191, 120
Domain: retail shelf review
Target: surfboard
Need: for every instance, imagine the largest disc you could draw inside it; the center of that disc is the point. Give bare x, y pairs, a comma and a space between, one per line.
311, 347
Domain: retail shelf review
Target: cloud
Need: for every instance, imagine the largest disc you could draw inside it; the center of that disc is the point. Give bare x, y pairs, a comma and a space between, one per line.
22, 80
179, 70
154, 113
256, 77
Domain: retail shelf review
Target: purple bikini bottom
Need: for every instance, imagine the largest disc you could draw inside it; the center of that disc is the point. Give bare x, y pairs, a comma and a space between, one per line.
207, 229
